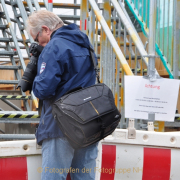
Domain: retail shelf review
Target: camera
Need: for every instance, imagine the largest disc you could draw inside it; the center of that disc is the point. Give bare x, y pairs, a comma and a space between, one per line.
26, 81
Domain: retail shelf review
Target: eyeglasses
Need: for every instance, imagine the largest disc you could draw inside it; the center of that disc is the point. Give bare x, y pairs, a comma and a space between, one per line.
36, 39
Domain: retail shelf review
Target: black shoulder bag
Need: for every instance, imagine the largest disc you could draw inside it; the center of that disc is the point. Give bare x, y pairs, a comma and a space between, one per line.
87, 115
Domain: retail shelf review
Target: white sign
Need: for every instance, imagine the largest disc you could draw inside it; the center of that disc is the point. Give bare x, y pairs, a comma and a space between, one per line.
143, 96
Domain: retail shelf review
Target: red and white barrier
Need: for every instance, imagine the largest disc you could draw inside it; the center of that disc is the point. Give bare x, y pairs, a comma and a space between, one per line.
138, 163
21, 168
20, 160
151, 156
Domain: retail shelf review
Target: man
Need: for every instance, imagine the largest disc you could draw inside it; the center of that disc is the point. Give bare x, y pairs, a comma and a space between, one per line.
63, 65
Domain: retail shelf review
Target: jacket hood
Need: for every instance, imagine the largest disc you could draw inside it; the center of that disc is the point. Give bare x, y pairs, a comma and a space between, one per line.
72, 33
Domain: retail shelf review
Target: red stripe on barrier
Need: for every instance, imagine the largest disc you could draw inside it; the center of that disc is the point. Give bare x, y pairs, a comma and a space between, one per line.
13, 168
68, 177
157, 164
108, 162
85, 24
50, 1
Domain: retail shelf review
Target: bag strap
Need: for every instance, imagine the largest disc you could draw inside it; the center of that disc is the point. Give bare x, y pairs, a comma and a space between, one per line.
91, 50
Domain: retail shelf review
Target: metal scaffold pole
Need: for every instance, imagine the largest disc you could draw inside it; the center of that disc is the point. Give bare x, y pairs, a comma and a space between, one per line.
50, 5
151, 51
152, 40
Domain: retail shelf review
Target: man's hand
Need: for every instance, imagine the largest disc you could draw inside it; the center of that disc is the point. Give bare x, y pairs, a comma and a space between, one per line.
35, 49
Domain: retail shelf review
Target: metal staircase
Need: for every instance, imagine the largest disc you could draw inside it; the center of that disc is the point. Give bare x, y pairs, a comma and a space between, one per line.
12, 53
117, 44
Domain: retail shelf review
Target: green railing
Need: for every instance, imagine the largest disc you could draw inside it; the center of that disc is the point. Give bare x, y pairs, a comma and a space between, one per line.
167, 34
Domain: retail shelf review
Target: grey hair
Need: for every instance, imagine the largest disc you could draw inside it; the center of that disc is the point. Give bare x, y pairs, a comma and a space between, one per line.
39, 18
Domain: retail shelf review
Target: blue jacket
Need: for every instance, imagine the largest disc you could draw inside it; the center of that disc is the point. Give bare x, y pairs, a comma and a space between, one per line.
63, 65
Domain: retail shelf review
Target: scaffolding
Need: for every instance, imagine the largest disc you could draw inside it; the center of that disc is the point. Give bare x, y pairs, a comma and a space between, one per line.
114, 36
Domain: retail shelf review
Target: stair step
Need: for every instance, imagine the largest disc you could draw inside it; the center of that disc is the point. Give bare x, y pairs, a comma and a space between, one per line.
14, 97
59, 5
9, 81
8, 53
19, 114
12, 47
6, 39
69, 17
3, 26
11, 40
12, 67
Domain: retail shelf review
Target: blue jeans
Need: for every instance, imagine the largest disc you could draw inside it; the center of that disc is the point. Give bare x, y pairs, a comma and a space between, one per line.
59, 159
